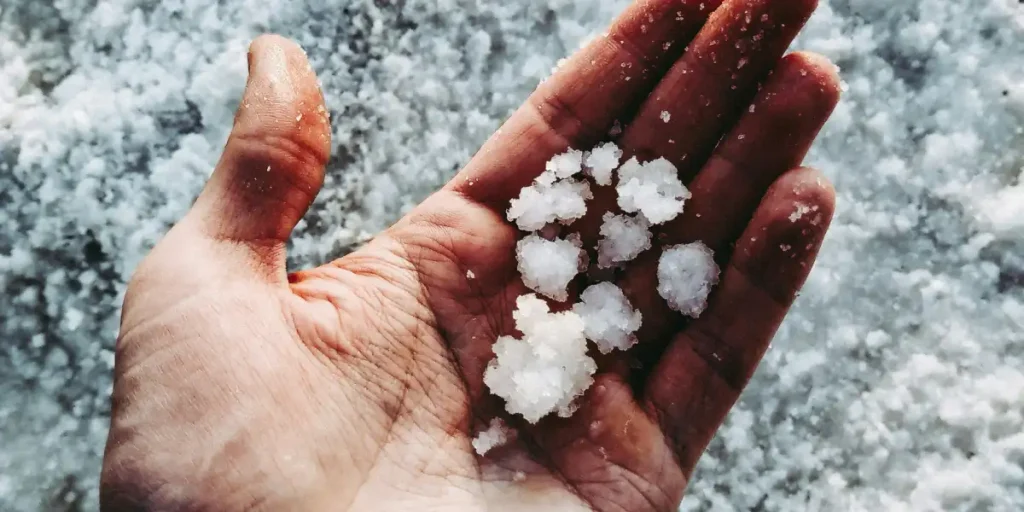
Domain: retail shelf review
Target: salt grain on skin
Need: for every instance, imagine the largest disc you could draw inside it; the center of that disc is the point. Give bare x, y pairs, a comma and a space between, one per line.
686, 275
496, 434
799, 212
665, 116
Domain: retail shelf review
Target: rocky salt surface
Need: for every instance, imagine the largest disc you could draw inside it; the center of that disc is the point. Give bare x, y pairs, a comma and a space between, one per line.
896, 384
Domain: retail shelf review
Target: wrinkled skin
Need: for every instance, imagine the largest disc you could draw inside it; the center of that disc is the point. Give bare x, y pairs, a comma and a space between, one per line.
357, 385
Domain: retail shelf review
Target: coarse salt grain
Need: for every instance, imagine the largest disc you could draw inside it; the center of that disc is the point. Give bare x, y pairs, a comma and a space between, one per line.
686, 275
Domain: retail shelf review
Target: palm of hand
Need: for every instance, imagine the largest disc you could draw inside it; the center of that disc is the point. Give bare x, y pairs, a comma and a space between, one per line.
358, 385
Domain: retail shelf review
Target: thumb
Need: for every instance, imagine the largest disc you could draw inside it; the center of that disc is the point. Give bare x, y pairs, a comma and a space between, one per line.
273, 164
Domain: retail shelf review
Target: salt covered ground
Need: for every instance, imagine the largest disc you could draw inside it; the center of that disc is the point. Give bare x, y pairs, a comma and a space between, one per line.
897, 383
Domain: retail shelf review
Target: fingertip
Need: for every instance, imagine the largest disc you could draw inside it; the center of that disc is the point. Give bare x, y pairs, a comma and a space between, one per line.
799, 206
779, 246
815, 72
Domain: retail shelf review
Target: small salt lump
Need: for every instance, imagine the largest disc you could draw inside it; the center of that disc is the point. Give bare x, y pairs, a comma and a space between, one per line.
539, 204
496, 435
547, 266
609, 319
623, 237
652, 188
601, 162
547, 369
686, 274
565, 165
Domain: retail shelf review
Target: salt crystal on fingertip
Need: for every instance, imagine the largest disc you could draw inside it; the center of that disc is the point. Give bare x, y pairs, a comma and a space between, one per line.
623, 237
547, 266
470, 274
497, 434
665, 116
547, 369
686, 274
799, 212
602, 161
609, 319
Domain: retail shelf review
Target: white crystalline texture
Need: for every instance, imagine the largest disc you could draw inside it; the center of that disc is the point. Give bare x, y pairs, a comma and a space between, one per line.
547, 369
497, 434
652, 188
686, 274
623, 237
609, 319
562, 166
540, 204
547, 266
602, 161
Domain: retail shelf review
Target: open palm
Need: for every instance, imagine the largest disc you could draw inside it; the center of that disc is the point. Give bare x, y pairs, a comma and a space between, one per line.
358, 385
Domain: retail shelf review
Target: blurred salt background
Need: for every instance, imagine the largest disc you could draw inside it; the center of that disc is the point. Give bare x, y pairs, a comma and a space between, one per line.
896, 384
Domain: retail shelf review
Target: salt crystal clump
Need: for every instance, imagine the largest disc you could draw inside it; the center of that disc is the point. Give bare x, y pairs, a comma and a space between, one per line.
539, 204
496, 435
652, 188
565, 165
547, 369
609, 319
601, 162
554, 196
623, 238
547, 266
686, 274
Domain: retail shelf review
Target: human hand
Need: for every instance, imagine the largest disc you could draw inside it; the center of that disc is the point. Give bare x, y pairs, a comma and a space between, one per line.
357, 385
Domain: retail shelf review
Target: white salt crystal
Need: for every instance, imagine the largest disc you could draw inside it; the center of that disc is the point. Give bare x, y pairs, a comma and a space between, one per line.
801, 210
686, 274
548, 368
565, 165
539, 204
608, 317
665, 116
652, 188
601, 162
1003, 211
496, 435
470, 274
623, 238
73, 318
547, 266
